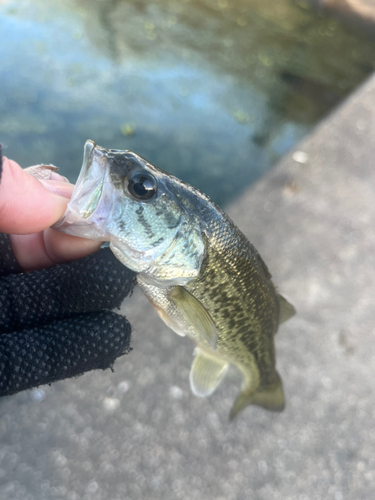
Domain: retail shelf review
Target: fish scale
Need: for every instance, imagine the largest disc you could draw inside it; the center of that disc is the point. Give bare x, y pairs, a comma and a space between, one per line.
231, 275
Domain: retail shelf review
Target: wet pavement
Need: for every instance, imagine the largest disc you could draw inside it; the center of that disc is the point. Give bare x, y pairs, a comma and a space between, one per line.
139, 433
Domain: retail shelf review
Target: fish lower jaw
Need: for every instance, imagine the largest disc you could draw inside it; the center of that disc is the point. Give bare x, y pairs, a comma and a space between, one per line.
150, 279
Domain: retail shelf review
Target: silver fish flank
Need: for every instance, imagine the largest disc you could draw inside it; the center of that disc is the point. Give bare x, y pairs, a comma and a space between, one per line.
201, 274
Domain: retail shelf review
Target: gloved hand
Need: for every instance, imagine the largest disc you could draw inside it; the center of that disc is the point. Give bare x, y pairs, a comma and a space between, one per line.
55, 323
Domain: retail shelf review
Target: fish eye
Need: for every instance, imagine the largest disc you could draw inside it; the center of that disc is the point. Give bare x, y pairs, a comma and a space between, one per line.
142, 186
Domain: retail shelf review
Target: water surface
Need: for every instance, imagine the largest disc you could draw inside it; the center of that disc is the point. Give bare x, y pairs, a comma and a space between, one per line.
212, 91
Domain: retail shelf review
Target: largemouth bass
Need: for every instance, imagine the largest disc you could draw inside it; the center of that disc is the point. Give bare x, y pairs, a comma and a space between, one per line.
201, 274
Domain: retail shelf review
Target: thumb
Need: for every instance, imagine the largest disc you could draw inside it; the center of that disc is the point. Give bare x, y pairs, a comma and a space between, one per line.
26, 205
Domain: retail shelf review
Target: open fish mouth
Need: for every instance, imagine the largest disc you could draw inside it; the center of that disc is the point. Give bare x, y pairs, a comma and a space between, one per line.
80, 218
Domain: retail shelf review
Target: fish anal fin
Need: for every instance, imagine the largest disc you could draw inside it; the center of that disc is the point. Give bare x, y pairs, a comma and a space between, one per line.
286, 310
196, 316
270, 398
206, 373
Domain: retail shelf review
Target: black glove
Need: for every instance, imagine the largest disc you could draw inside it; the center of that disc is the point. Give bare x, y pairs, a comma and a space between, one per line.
55, 323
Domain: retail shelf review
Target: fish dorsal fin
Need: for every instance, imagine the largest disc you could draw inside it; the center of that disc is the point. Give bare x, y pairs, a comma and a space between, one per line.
196, 315
270, 398
286, 310
206, 373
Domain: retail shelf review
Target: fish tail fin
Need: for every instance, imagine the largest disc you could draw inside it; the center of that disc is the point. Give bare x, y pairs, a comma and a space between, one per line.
271, 398
243, 400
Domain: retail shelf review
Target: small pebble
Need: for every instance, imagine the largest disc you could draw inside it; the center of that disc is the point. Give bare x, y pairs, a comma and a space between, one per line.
123, 386
38, 395
111, 404
300, 157
176, 392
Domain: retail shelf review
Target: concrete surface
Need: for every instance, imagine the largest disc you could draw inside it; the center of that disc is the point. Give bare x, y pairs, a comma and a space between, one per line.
138, 433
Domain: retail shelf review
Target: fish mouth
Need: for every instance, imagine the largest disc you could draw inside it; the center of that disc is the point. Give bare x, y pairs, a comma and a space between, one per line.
79, 218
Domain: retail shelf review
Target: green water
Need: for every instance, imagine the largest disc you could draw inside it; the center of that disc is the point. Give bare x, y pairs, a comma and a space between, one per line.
214, 92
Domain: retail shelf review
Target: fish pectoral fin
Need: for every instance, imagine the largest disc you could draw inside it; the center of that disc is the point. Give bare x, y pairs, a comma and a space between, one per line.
169, 320
286, 310
271, 398
196, 315
206, 373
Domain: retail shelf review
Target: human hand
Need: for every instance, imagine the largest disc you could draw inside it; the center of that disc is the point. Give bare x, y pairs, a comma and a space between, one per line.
28, 207
54, 322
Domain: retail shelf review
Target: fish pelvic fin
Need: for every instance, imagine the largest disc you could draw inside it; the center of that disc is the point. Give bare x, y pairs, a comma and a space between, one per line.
206, 373
196, 315
286, 310
271, 398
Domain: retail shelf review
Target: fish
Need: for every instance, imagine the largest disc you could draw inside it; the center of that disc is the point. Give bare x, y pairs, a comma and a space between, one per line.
202, 275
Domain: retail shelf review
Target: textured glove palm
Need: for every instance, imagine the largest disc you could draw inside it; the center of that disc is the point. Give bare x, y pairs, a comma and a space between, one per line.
55, 323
